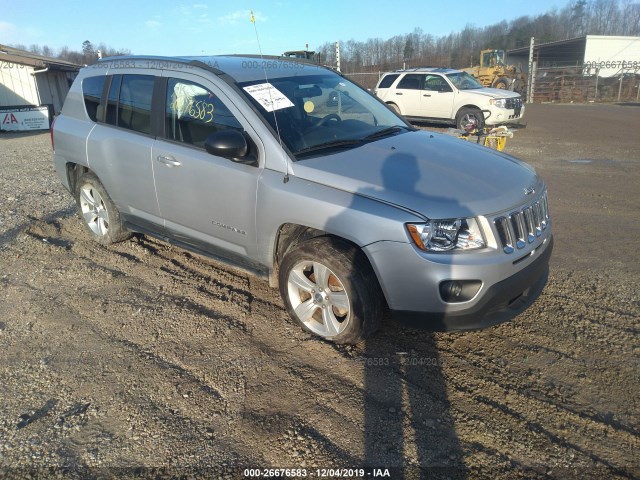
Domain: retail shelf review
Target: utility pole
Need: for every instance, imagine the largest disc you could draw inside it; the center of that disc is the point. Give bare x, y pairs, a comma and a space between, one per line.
338, 56
531, 73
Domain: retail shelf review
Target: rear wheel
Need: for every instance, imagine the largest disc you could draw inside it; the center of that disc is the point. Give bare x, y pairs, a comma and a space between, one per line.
330, 289
98, 212
469, 119
394, 107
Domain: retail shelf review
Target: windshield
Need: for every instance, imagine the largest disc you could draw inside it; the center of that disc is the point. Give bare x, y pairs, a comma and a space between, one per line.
321, 112
463, 81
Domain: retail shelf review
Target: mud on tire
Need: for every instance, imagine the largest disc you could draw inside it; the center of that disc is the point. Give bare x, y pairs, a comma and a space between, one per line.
329, 288
98, 212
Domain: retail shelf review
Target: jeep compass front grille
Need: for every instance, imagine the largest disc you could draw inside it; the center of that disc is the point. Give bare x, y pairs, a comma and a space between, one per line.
523, 225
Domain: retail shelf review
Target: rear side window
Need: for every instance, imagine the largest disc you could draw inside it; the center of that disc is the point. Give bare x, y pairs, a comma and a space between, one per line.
388, 80
193, 113
411, 82
112, 100
92, 91
134, 103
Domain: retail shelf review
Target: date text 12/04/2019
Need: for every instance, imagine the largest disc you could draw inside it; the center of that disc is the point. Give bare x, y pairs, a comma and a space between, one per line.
316, 473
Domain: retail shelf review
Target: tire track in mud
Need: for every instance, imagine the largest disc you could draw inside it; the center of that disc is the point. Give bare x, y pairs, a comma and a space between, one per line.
174, 372
93, 258
201, 309
286, 373
476, 382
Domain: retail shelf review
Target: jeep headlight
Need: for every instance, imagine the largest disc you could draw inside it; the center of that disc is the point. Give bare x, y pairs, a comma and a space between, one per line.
446, 235
498, 102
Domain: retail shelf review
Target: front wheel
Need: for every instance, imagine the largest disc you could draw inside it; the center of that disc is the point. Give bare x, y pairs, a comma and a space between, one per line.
502, 83
329, 288
98, 212
469, 119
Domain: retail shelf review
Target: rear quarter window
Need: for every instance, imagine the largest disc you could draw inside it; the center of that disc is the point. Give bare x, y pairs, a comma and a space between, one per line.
388, 80
92, 92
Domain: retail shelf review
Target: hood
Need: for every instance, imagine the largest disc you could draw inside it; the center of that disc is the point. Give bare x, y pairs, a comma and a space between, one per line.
435, 175
493, 92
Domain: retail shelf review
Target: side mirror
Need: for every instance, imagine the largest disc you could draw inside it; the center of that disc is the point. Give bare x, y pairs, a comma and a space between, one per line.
230, 144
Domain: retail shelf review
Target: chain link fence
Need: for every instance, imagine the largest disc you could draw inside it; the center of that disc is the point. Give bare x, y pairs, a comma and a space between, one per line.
578, 84
367, 80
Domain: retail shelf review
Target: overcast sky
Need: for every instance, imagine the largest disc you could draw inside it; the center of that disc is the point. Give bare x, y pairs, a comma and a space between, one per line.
214, 27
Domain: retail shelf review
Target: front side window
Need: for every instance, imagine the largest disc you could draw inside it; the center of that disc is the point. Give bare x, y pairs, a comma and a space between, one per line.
134, 105
92, 91
192, 113
464, 81
436, 83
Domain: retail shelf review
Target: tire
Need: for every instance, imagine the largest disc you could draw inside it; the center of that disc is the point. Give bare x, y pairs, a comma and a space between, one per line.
467, 116
98, 212
394, 107
329, 289
502, 83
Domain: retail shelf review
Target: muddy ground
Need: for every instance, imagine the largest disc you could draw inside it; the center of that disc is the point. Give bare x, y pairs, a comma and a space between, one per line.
144, 360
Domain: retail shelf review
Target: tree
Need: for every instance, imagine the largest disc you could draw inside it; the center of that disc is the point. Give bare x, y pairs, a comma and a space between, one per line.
408, 49
459, 49
87, 48
579, 17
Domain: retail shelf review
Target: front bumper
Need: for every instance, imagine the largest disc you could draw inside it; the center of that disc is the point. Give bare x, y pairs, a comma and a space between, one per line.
503, 115
500, 303
414, 299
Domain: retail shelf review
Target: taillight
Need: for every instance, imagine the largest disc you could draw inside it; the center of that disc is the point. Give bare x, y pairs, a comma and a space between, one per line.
51, 132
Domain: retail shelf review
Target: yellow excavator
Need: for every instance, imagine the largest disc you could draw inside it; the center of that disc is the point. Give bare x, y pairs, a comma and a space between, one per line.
492, 72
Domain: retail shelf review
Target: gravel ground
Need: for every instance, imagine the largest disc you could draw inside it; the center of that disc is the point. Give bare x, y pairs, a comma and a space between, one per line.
142, 360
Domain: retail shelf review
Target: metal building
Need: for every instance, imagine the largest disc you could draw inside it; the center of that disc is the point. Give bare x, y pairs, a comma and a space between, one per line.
32, 88
609, 54
587, 68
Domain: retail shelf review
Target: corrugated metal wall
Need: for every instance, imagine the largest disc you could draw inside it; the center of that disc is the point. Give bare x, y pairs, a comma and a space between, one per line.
17, 85
567, 85
53, 88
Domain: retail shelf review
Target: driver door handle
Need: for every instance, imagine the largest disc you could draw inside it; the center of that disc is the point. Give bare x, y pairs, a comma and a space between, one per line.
168, 161
426, 94
398, 93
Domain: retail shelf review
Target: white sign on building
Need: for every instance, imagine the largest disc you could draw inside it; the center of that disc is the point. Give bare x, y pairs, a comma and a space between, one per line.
612, 56
24, 118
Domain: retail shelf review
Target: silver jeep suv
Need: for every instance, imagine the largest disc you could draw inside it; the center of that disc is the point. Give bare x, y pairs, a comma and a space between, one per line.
293, 172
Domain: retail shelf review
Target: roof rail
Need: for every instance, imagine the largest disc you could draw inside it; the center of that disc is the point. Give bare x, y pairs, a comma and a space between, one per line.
440, 67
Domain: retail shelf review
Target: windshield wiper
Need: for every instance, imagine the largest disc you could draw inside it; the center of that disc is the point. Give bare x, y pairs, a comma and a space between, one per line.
384, 132
329, 145
352, 142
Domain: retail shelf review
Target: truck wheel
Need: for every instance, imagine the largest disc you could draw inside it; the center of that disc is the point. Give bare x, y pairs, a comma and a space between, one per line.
99, 214
330, 289
469, 118
502, 83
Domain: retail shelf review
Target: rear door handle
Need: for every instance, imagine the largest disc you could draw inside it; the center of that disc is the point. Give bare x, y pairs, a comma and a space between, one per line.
426, 95
398, 93
168, 161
